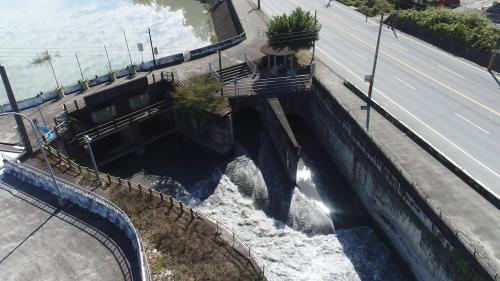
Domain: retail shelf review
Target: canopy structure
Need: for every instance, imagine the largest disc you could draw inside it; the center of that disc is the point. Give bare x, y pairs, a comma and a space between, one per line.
273, 53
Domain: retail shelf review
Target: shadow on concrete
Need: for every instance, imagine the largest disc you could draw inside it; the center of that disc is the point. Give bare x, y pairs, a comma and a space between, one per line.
107, 234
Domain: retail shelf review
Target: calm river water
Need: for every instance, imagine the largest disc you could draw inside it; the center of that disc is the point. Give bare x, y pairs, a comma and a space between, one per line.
29, 27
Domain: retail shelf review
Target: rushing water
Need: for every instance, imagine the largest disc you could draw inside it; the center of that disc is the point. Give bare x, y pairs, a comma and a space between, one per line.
313, 231
29, 27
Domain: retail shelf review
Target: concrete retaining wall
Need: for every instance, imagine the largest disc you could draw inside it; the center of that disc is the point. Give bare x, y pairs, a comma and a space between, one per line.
281, 135
211, 130
415, 229
86, 200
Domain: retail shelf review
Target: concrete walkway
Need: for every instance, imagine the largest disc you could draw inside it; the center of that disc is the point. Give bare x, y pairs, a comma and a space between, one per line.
39, 241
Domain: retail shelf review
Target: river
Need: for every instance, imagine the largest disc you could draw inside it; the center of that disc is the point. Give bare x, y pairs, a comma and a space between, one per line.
63, 27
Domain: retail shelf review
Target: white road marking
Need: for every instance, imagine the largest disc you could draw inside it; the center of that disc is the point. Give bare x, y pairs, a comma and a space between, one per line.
452, 72
360, 55
470, 122
363, 28
419, 120
406, 50
404, 82
427, 45
443, 137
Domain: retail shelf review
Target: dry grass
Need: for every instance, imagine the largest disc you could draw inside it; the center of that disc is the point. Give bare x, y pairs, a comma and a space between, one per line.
178, 246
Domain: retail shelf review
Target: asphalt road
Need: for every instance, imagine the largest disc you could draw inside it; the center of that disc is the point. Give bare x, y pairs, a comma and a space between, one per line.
451, 102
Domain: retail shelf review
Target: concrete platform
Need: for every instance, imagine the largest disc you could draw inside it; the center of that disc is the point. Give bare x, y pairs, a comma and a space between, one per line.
39, 241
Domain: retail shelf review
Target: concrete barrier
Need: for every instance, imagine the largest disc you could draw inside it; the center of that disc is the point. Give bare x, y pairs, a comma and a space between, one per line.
87, 200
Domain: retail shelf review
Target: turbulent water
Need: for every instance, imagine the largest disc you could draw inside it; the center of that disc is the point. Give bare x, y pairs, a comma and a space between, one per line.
292, 232
63, 27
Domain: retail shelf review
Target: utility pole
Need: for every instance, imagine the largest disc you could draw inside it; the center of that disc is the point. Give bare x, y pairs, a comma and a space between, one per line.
372, 77
15, 108
491, 64
107, 56
88, 141
152, 49
314, 42
52, 66
79, 66
128, 49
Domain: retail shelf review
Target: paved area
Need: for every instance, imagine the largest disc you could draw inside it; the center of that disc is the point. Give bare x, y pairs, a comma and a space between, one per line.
468, 211
39, 241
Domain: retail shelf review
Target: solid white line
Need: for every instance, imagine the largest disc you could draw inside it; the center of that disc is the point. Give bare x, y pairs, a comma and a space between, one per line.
452, 72
359, 54
363, 28
415, 117
437, 133
470, 122
337, 62
404, 82
427, 45
400, 47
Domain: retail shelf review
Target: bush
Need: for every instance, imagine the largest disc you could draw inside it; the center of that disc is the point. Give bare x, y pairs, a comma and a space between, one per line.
201, 94
371, 7
297, 31
464, 29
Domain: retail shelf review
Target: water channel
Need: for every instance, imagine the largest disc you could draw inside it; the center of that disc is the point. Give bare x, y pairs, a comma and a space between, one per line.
63, 27
315, 230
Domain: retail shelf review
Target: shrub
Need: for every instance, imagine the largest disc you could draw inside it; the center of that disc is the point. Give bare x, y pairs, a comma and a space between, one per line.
201, 94
466, 29
298, 30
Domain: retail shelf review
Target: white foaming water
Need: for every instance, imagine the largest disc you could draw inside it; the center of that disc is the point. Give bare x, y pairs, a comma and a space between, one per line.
305, 247
354, 254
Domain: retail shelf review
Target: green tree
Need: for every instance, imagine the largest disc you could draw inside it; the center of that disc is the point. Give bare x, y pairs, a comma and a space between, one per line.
297, 31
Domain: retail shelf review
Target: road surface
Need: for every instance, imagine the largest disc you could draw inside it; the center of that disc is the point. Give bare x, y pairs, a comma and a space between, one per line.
452, 103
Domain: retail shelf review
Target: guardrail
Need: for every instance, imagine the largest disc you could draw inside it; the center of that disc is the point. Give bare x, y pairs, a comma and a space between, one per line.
123, 121
85, 193
445, 225
287, 84
225, 233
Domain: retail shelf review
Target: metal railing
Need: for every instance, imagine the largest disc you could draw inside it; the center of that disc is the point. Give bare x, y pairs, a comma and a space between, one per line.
288, 84
228, 235
251, 65
123, 121
143, 263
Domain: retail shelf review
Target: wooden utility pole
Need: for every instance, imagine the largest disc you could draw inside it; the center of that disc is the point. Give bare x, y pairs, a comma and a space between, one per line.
152, 49
15, 108
372, 77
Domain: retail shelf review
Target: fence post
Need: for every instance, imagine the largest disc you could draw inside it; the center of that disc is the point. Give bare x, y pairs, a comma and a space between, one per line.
191, 211
150, 193
109, 178
182, 207
171, 200
129, 186
140, 188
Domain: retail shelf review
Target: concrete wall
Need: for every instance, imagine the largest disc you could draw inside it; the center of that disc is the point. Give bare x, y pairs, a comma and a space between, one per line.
86, 200
413, 228
211, 130
281, 135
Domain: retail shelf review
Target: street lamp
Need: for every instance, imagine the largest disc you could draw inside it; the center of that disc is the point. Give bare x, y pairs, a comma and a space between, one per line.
39, 142
88, 140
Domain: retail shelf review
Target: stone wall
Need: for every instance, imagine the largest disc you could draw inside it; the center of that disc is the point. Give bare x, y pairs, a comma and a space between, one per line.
427, 245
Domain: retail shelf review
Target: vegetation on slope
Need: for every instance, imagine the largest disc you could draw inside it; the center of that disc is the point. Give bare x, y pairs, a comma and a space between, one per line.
465, 30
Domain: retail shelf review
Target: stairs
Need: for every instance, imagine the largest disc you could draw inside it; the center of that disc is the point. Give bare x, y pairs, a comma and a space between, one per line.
239, 71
